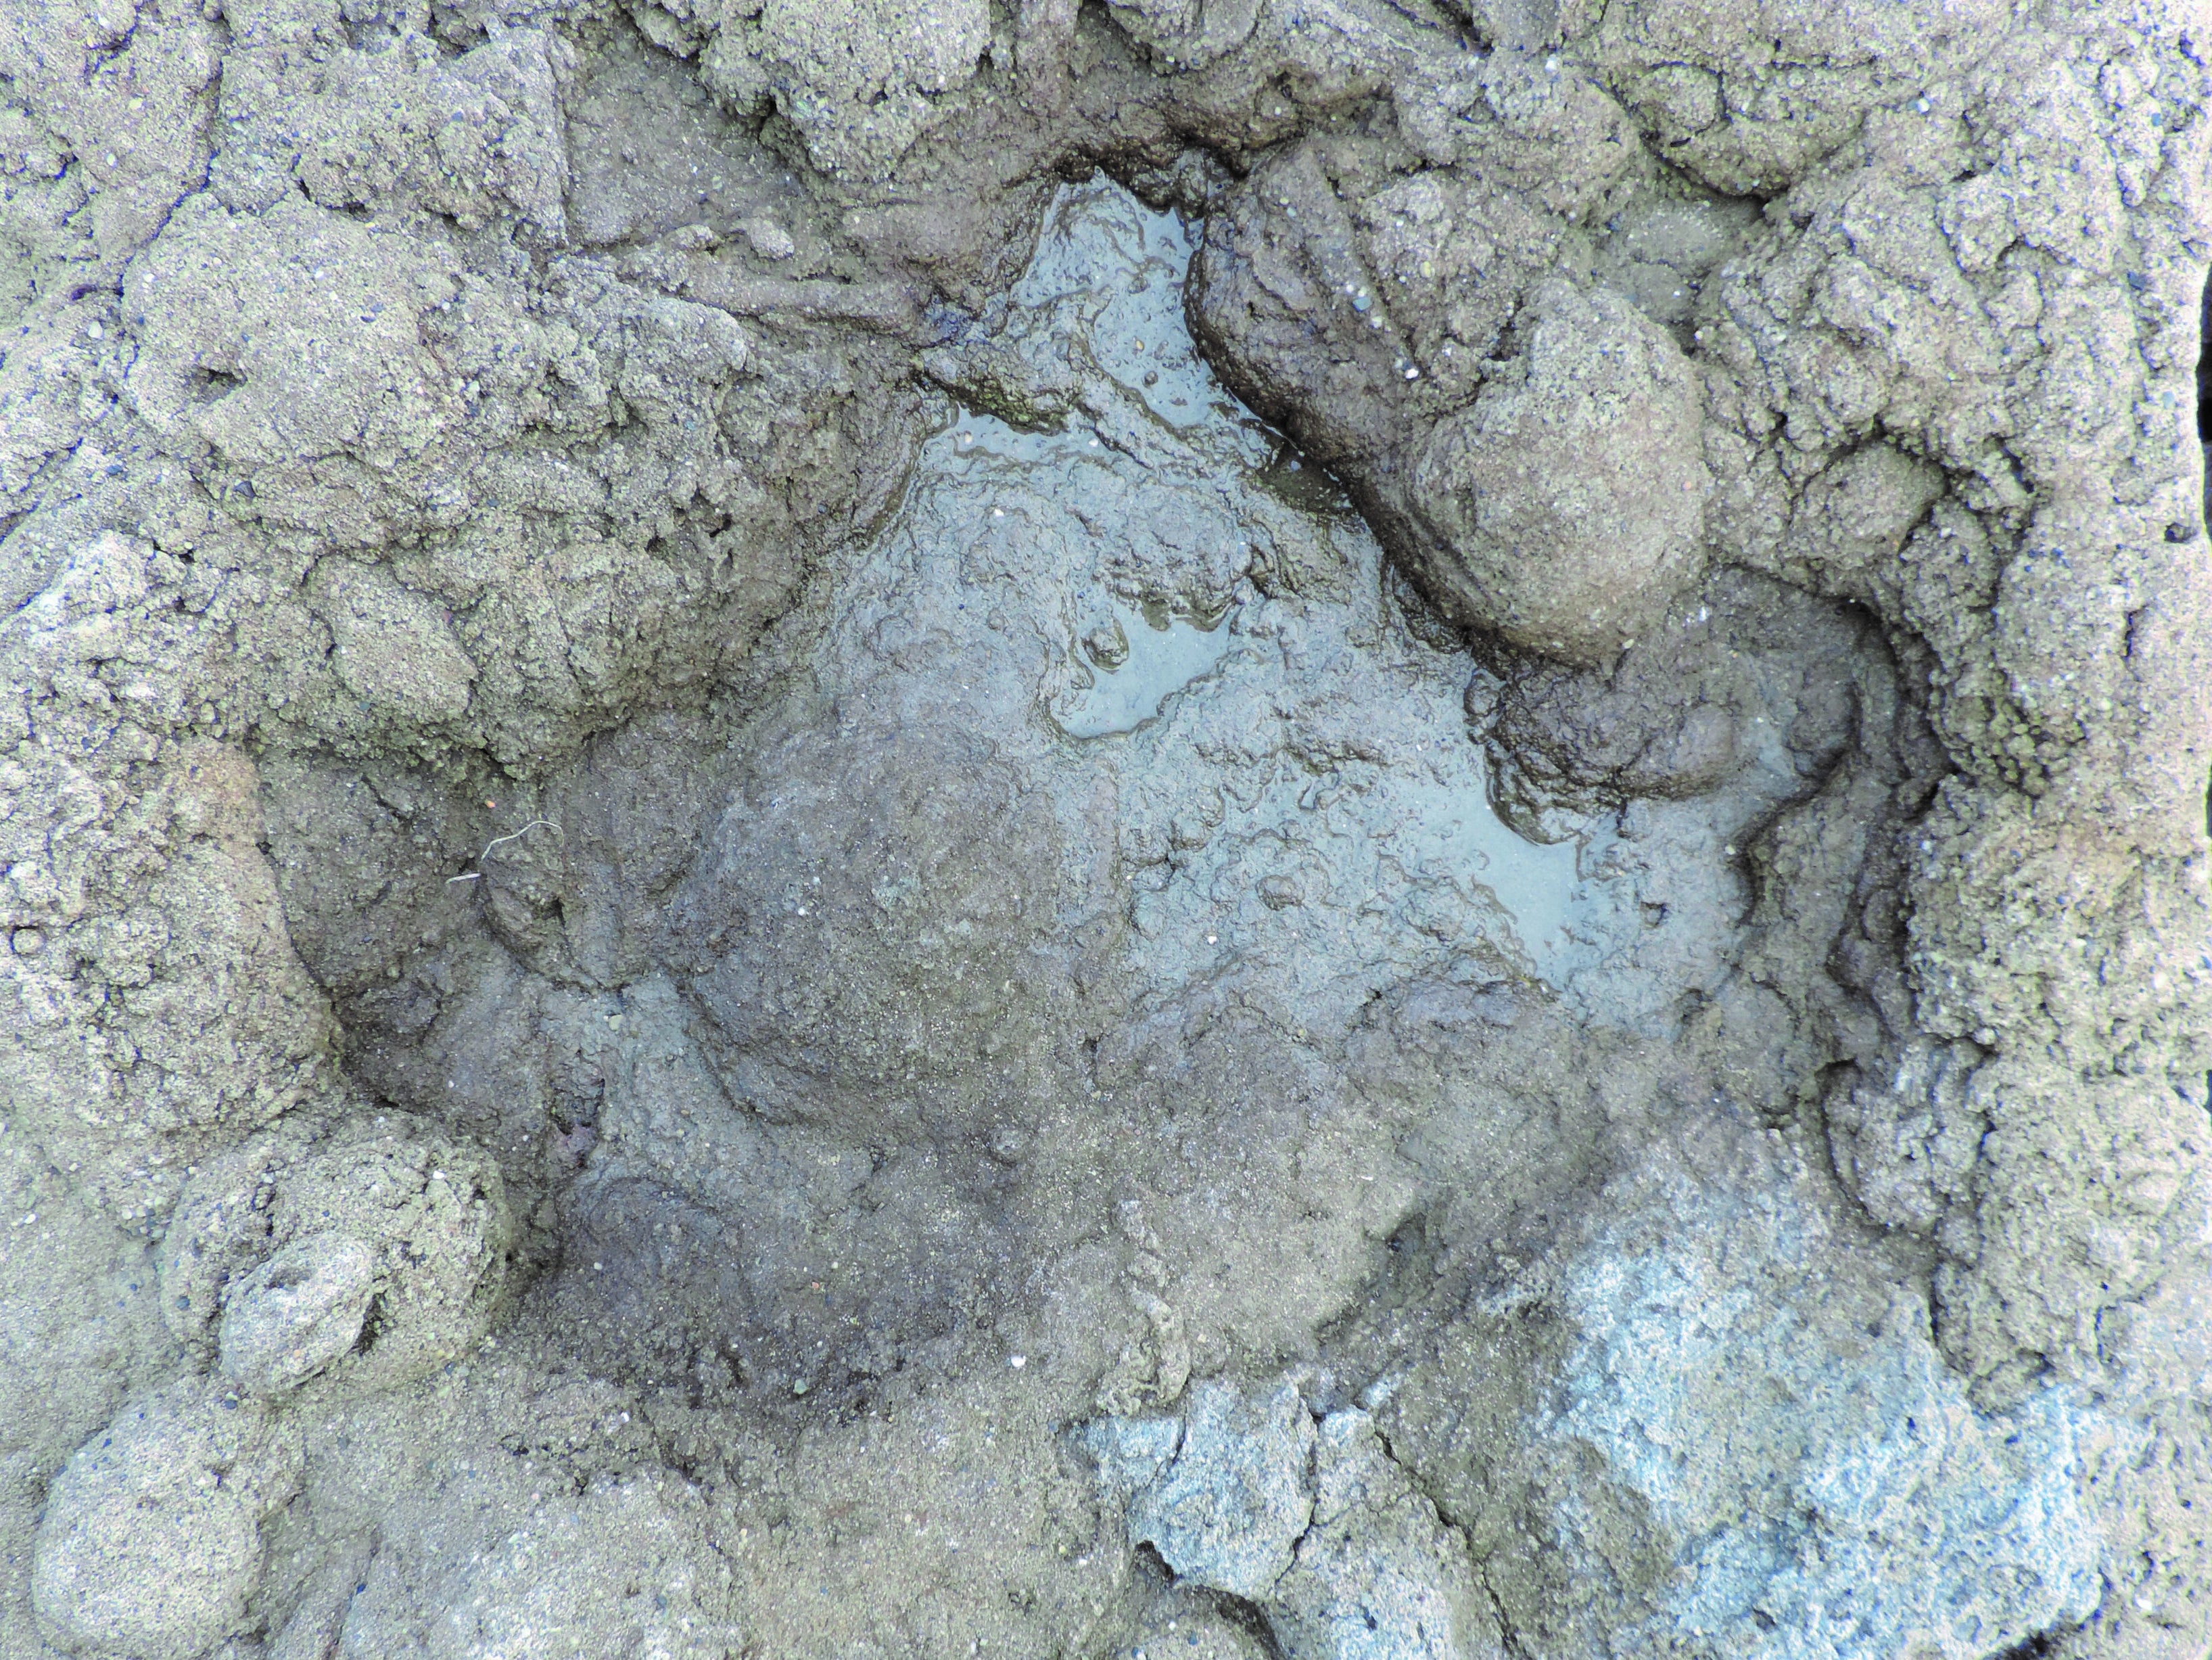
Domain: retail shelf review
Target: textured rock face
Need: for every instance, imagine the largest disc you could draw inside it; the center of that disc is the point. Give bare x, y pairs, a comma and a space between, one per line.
1693, 1388
1313, 1523
1229, 1507
1246, 827
1729, 1463
278, 1255
300, 1310
857, 79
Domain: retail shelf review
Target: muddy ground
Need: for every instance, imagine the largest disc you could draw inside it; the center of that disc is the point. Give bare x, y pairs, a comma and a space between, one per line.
1272, 827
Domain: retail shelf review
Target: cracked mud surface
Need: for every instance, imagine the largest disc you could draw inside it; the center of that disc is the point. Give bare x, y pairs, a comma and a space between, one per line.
870, 828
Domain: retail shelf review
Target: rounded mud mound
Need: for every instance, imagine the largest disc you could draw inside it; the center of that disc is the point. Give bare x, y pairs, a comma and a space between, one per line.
1332, 831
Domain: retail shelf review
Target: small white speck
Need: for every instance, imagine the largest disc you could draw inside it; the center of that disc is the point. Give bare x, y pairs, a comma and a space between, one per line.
997, 512
1018, 1361
92, 331
1413, 375
1209, 939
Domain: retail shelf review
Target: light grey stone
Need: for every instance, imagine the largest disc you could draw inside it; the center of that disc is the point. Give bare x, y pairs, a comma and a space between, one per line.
1316, 1527
1378, 1576
1823, 1499
1228, 1511
300, 1310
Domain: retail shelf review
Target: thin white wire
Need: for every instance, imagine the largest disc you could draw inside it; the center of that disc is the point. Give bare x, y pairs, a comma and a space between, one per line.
515, 836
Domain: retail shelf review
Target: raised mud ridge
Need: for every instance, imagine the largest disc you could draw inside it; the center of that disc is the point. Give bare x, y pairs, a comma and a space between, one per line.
1322, 829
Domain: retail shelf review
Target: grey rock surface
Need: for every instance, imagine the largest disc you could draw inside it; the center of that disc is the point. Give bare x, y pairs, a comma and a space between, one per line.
1378, 1576
1229, 1508
279, 1254
296, 1313
1800, 1477
1311, 1524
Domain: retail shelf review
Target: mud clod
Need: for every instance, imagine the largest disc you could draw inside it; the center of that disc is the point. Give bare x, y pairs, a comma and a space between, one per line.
152, 1538
1567, 506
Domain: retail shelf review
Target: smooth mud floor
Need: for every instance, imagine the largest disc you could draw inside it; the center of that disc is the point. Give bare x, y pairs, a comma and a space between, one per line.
1308, 830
